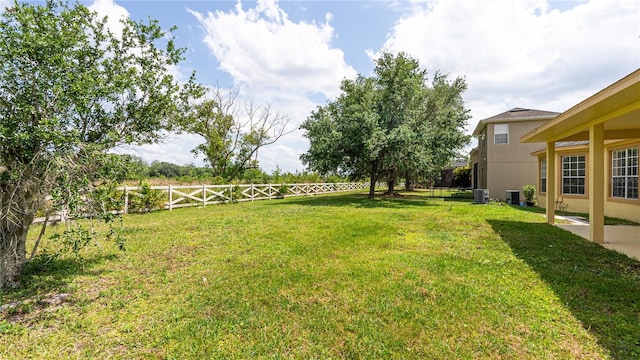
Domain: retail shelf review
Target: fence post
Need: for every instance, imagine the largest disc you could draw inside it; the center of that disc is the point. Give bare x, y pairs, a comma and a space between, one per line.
252, 192
230, 192
170, 197
126, 200
204, 195
269, 191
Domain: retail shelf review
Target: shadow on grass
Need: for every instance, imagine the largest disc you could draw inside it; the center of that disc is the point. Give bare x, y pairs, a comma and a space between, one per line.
404, 200
458, 199
47, 274
600, 287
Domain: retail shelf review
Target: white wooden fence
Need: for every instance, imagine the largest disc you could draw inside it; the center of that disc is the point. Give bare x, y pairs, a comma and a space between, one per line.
176, 196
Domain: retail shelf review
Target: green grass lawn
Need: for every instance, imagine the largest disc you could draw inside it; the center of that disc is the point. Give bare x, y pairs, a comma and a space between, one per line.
333, 277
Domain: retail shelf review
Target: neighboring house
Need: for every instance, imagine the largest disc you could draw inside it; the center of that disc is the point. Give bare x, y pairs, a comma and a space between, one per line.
501, 162
590, 163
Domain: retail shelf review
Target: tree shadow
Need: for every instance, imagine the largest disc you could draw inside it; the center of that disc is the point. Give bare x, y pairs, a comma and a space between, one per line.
599, 286
458, 199
47, 274
361, 201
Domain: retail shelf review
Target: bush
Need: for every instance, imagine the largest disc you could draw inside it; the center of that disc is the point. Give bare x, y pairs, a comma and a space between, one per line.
529, 192
282, 190
146, 199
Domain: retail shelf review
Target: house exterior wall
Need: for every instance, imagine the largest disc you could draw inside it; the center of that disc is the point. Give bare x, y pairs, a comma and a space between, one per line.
622, 211
474, 168
510, 166
628, 209
481, 162
615, 209
568, 204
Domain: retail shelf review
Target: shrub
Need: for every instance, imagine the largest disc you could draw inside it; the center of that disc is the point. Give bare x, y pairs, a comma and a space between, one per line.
529, 192
282, 190
146, 199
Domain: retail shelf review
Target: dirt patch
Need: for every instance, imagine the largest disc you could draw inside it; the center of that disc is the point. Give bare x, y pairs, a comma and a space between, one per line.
395, 194
24, 310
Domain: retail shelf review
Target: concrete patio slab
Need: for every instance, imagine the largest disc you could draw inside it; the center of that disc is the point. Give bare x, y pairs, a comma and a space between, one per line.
621, 238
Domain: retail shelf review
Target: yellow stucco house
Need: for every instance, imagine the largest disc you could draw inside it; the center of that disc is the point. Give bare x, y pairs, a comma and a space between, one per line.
590, 163
500, 162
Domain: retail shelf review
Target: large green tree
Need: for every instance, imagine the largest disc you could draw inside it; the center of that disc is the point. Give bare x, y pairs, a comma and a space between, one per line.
70, 90
390, 125
345, 134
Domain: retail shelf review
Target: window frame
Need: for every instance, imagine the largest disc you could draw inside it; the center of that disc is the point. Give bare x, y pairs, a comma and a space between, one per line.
543, 175
496, 133
625, 167
574, 174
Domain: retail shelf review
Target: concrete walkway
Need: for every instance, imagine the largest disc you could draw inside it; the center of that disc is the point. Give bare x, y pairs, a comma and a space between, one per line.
621, 238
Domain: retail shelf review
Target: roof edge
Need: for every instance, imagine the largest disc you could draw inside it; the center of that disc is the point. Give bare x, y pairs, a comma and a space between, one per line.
483, 123
600, 96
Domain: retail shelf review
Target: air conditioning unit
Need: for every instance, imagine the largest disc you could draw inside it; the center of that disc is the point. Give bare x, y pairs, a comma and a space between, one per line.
480, 196
513, 197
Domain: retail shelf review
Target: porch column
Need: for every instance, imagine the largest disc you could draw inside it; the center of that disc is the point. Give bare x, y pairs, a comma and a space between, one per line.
551, 182
596, 173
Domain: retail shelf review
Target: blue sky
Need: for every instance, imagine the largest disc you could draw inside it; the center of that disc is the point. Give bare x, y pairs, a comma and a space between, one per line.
538, 54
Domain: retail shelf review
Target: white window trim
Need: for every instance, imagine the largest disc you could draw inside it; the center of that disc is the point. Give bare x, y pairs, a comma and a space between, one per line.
577, 176
626, 169
543, 175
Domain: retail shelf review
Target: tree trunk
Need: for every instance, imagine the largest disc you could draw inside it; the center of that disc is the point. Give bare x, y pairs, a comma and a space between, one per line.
391, 182
409, 182
13, 239
17, 211
373, 177
372, 188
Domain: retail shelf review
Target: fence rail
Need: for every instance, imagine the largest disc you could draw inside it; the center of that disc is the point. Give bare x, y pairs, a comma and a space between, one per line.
177, 196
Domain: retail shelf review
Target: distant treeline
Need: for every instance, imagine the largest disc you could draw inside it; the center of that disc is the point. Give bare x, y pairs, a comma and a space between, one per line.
130, 168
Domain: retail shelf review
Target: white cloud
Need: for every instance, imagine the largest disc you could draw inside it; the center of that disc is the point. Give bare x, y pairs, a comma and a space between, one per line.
264, 51
523, 53
113, 12
283, 155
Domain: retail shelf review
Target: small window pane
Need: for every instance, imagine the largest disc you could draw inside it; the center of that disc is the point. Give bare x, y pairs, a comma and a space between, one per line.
502, 139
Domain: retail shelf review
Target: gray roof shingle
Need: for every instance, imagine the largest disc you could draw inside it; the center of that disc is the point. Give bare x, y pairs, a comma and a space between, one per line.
516, 114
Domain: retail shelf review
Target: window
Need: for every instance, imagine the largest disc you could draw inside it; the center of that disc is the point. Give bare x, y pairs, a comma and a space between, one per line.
543, 175
501, 134
573, 174
624, 173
